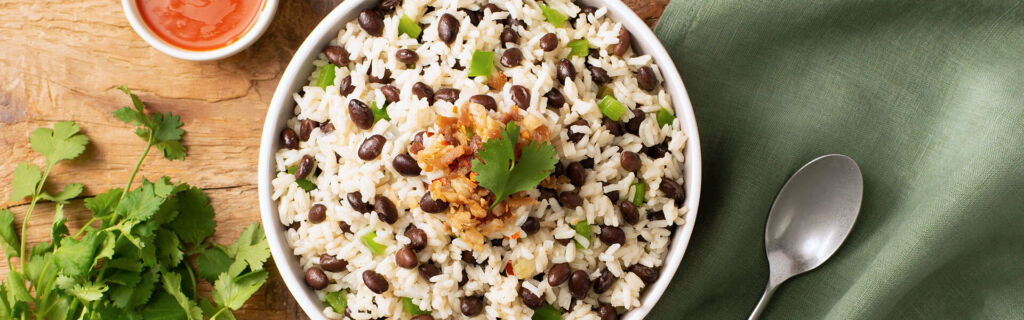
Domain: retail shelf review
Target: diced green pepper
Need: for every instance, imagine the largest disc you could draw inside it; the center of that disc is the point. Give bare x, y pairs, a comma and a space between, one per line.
411, 308
553, 16
407, 26
547, 312
664, 117
379, 113
638, 194
582, 228
368, 241
337, 301
326, 76
611, 108
482, 64
579, 48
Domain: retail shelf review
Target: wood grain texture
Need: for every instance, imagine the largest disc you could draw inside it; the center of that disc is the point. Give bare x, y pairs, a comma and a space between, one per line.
62, 60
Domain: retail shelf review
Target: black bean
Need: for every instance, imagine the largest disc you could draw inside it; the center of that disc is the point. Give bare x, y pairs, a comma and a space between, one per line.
588, 163
360, 114
385, 79
316, 278
295, 225
612, 235
646, 79
371, 22
604, 281
579, 282
431, 205
355, 199
448, 28
406, 258
577, 175
558, 274
338, 56
346, 87
563, 242
447, 94
629, 212
385, 209
570, 199
613, 127
530, 299
496, 242
327, 127
620, 48
531, 225
471, 306
512, 57
585, 9
555, 98
427, 317
549, 42
429, 270
594, 53
672, 189
332, 263
599, 75
317, 213
565, 70
345, 227
509, 35
474, 16
645, 273
605, 311
630, 161
306, 127
518, 22
391, 93
656, 215
371, 147
612, 195
375, 282
389, 4
467, 257
465, 278
289, 138
493, 7
406, 165
546, 193
521, 96
633, 126
575, 137
657, 151
407, 56
484, 100
306, 166
423, 91
417, 238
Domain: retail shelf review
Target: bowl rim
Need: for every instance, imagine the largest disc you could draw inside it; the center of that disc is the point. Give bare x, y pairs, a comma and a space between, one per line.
262, 23
300, 66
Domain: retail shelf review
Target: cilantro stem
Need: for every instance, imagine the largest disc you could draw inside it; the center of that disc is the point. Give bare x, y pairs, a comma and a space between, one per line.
218, 313
149, 145
87, 225
28, 213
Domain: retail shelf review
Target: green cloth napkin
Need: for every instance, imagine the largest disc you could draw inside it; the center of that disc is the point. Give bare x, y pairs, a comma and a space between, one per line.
927, 96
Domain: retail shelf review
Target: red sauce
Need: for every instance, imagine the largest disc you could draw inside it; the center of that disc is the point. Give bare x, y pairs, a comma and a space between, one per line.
200, 24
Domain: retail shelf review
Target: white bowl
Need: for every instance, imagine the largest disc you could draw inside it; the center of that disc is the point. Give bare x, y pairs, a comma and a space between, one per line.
266, 15
301, 66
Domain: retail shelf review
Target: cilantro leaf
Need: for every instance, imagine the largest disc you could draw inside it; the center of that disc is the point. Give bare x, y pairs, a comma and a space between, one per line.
26, 178
70, 192
498, 171
172, 285
195, 216
169, 250
251, 249
74, 257
214, 262
210, 309
232, 292
11, 243
16, 286
59, 230
103, 205
138, 205
163, 131
60, 143
122, 287
163, 306
87, 291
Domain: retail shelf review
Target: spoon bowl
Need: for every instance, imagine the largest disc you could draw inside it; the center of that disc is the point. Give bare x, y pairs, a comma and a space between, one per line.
811, 216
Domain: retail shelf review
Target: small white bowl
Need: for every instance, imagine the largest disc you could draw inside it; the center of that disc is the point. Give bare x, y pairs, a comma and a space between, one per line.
266, 15
301, 66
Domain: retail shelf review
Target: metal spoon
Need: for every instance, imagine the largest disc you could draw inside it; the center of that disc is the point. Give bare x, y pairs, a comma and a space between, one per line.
810, 218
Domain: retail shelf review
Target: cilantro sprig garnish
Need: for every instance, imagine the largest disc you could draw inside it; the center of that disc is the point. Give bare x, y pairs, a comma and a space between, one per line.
500, 172
133, 263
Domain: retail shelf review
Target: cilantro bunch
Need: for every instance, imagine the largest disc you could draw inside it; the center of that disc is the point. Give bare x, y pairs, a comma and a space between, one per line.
135, 262
499, 171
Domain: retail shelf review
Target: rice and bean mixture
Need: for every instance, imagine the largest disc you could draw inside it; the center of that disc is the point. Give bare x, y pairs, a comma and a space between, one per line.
376, 180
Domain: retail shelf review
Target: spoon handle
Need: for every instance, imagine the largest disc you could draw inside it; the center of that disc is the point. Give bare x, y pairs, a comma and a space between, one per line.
768, 291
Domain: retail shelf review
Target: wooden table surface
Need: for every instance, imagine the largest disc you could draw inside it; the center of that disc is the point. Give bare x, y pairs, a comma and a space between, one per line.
63, 60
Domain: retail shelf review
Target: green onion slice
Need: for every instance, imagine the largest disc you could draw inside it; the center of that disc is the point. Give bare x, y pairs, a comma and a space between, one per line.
326, 76
605, 91
664, 117
638, 194
337, 301
611, 108
482, 64
582, 228
547, 312
411, 308
579, 48
379, 113
370, 243
407, 26
553, 16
